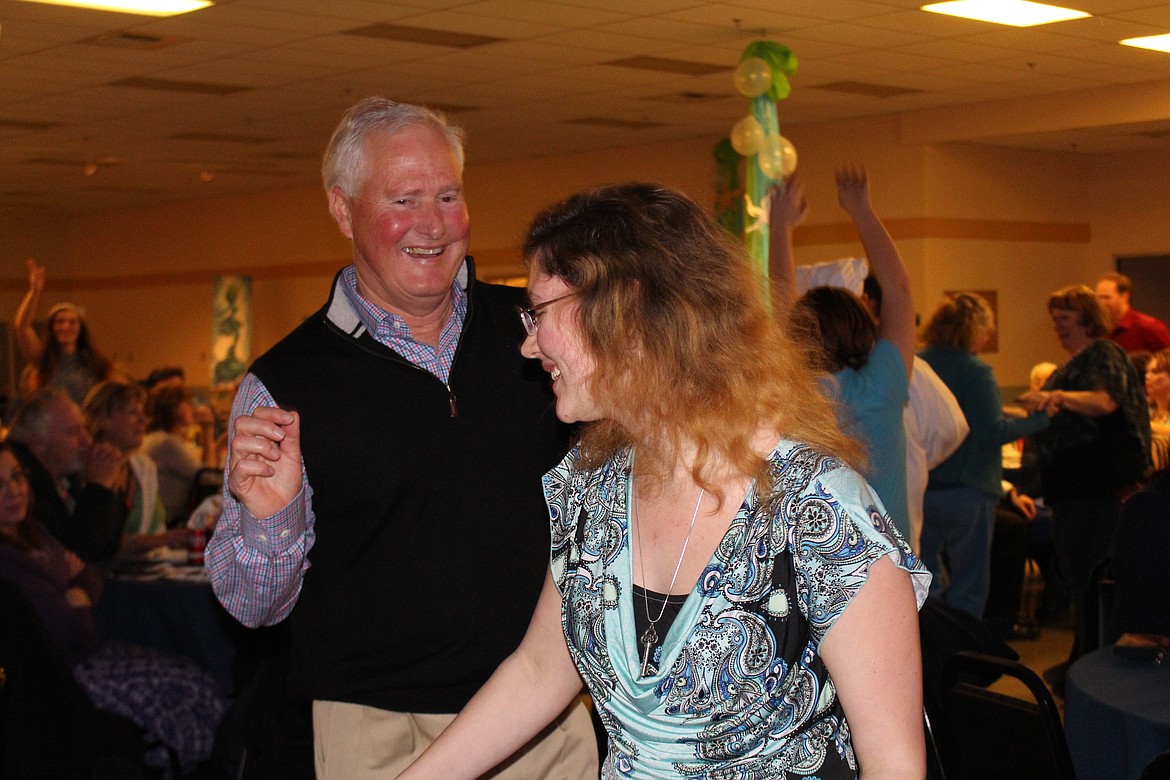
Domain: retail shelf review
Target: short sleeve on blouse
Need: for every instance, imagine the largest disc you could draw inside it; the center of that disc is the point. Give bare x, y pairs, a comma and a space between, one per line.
837, 531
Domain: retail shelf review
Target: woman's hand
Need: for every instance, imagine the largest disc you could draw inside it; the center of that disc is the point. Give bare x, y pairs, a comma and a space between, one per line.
103, 464
787, 204
36, 275
1091, 403
853, 190
77, 598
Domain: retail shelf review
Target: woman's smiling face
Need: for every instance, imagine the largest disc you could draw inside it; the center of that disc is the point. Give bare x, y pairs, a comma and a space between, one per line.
558, 345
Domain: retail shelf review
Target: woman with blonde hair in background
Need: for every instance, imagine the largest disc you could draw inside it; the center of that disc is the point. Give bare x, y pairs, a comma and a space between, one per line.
115, 412
961, 496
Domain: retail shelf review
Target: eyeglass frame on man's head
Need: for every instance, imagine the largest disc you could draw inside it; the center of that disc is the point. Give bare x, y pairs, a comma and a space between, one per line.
528, 315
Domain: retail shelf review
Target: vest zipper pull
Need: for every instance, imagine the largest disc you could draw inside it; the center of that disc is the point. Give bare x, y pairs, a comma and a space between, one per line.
454, 404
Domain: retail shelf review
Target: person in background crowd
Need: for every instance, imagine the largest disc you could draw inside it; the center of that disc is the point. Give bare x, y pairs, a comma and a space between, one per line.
697, 404
67, 359
165, 376
1021, 467
71, 478
381, 517
870, 362
1097, 447
964, 489
934, 423
168, 441
115, 412
1157, 384
172, 699
1129, 327
1141, 361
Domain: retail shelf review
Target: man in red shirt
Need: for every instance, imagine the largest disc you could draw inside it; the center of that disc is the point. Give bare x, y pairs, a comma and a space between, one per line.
1132, 329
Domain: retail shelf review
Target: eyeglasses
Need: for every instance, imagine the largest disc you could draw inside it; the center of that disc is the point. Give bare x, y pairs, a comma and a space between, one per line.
16, 479
529, 317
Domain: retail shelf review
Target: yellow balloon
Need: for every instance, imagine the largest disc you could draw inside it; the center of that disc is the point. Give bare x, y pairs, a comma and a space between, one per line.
778, 158
787, 157
747, 136
753, 76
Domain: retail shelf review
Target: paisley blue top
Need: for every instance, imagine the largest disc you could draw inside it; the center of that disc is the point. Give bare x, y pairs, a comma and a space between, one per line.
743, 692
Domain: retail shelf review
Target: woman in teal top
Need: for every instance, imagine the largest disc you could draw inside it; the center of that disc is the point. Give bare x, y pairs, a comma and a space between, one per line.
729, 589
870, 362
959, 508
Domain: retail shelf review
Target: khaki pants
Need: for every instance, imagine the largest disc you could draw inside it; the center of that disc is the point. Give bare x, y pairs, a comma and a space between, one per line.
352, 742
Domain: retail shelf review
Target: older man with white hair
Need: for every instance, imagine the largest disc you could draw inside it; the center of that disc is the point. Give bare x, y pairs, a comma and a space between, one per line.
383, 484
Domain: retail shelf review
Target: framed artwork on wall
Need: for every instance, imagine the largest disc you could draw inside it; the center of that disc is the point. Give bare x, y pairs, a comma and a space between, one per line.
231, 329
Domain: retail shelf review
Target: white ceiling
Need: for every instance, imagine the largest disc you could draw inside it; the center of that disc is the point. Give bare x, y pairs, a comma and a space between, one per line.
245, 93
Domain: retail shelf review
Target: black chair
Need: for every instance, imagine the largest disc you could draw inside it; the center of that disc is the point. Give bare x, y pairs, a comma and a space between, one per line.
1158, 768
48, 725
934, 769
1099, 607
984, 733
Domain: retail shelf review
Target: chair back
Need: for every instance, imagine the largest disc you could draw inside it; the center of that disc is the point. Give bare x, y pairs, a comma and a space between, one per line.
48, 725
986, 733
1098, 607
1158, 768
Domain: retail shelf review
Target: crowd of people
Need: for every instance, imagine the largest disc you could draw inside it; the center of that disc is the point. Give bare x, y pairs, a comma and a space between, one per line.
645, 482
83, 487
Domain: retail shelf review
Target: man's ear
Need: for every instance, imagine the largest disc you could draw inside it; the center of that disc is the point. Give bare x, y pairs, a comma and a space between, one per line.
339, 207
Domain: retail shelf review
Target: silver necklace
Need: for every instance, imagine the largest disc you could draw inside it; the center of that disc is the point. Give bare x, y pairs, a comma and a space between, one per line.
650, 635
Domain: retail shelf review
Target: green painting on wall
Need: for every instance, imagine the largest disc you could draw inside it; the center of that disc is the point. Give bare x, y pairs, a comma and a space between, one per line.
231, 329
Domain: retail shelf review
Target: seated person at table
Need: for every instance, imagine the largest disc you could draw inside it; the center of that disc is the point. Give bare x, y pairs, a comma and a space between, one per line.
171, 699
1156, 380
167, 376
115, 412
71, 478
172, 416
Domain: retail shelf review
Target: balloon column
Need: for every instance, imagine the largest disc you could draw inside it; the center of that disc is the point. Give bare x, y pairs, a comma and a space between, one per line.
762, 76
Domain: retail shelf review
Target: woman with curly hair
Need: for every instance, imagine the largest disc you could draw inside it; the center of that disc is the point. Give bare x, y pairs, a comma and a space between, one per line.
717, 578
959, 508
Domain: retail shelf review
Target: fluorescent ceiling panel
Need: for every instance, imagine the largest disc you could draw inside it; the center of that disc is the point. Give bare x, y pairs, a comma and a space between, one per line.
143, 7
1153, 42
1016, 13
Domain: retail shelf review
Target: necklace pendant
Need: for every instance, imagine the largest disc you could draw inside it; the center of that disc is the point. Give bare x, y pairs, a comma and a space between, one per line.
649, 639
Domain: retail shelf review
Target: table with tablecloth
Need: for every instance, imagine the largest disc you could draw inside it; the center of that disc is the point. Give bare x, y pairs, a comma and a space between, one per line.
171, 607
1117, 714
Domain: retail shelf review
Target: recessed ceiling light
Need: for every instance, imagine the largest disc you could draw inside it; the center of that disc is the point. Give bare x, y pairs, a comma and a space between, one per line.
1017, 13
144, 7
1155, 42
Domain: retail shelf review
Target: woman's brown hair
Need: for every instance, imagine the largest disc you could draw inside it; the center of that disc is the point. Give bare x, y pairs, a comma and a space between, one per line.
685, 344
959, 322
1083, 301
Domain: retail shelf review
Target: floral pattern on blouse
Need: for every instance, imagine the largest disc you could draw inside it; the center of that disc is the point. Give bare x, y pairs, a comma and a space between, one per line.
742, 692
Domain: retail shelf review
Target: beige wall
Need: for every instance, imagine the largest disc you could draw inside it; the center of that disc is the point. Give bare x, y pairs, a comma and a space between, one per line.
965, 216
